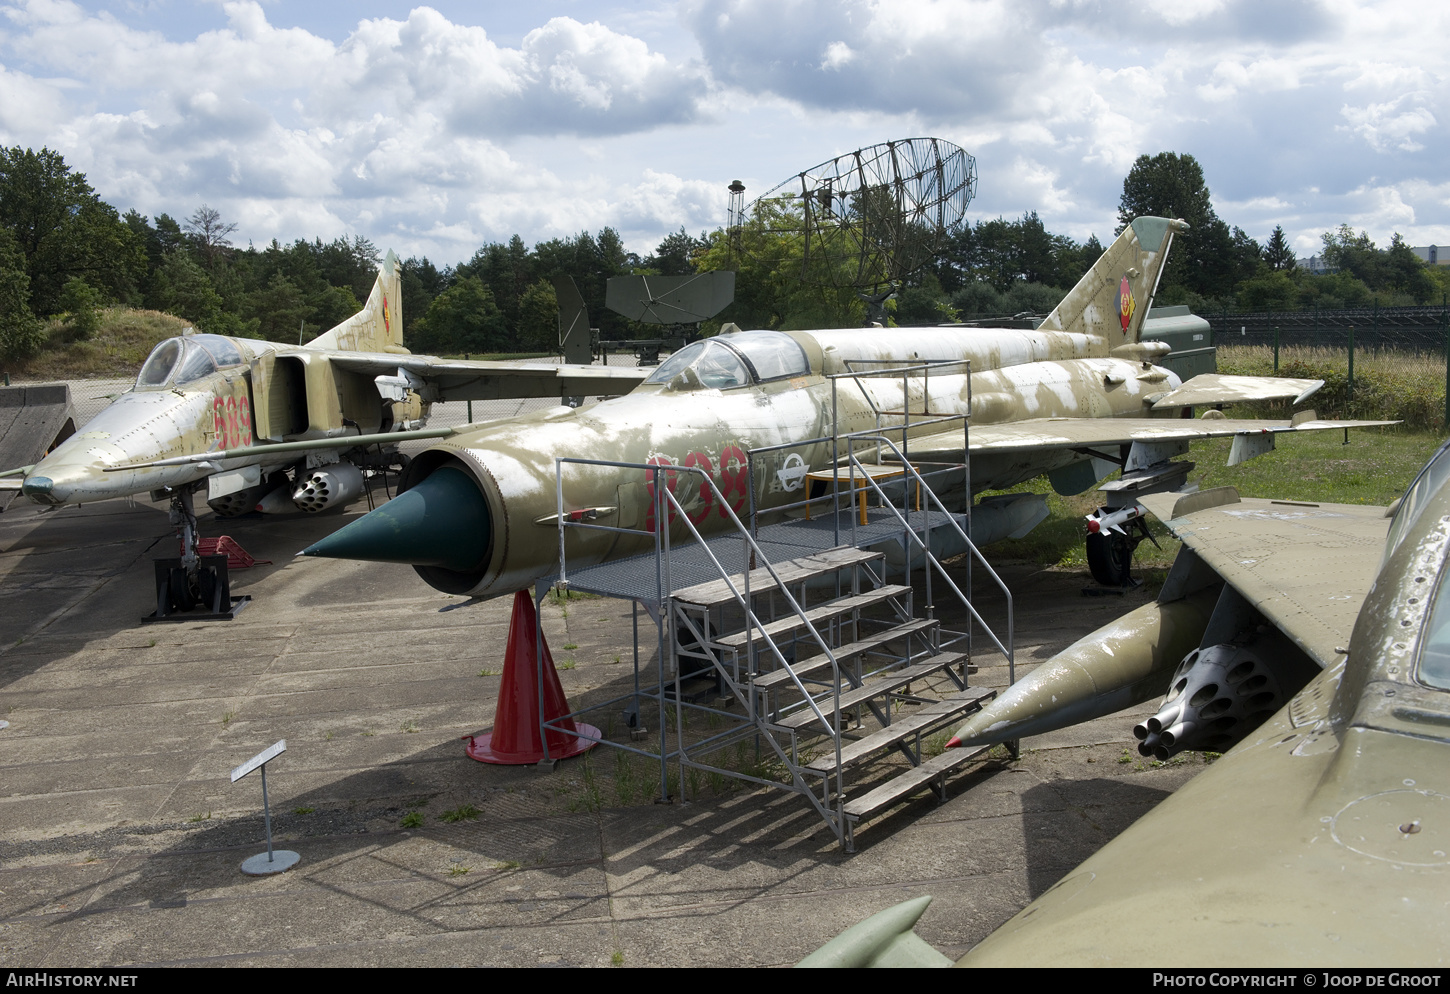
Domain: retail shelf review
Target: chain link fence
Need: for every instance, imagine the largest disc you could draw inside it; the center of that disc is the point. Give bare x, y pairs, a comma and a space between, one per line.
1406, 329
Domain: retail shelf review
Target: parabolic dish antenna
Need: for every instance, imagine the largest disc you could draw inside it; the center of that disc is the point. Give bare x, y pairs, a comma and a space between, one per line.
871, 217
670, 299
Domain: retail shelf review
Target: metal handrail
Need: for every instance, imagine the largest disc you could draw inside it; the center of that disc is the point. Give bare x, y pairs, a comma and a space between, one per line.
1006, 650
665, 497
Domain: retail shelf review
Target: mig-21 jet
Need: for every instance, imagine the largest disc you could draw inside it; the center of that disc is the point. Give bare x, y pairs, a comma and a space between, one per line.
1322, 838
261, 425
756, 411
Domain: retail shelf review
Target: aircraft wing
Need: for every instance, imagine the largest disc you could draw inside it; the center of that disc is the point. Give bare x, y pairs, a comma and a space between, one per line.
476, 379
1104, 433
1305, 567
1218, 388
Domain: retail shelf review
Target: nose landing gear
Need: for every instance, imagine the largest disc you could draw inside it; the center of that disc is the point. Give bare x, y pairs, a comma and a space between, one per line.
192, 587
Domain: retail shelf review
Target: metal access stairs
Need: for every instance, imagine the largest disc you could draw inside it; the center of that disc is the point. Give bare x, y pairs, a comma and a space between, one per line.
792, 631
833, 712
815, 657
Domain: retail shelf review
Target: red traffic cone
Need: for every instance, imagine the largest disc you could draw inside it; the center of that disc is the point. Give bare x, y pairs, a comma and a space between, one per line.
515, 739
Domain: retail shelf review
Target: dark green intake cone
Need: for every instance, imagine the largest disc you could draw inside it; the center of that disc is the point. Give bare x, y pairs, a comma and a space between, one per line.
443, 521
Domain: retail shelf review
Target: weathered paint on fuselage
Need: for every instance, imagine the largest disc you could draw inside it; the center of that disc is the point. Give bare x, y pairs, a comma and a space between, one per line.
1015, 375
1322, 840
213, 412
180, 409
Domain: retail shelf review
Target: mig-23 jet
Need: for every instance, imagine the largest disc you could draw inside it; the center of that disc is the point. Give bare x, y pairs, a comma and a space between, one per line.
1322, 839
276, 427
1075, 399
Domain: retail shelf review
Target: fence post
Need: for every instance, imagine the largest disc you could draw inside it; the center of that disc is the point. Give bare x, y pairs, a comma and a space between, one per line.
1350, 399
1276, 350
1374, 338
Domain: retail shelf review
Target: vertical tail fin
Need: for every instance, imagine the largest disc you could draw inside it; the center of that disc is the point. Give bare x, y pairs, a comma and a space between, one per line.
1110, 302
378, 327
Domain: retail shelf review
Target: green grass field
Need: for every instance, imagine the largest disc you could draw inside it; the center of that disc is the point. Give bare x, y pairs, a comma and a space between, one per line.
1374, 468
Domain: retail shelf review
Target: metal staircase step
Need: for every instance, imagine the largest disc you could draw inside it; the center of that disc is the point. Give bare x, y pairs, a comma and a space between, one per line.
953, 707
841, 605
883, 684
781, 677
715, 593
910, 782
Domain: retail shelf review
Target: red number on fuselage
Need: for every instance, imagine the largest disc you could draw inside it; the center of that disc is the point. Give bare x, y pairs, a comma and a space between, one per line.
707, 496
734, 479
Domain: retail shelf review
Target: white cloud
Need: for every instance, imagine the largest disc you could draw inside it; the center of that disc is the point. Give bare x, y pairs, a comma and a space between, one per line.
838, 54
400, 123
1385, 126
432, 135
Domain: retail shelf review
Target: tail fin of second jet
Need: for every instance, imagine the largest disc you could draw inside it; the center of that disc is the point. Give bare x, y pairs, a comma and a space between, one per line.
378, 327
1110, 302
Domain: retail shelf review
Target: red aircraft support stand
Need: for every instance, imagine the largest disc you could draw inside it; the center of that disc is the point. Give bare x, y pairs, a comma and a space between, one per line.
515, 739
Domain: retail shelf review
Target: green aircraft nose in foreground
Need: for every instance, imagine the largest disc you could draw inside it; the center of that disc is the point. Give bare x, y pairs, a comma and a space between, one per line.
1323, 838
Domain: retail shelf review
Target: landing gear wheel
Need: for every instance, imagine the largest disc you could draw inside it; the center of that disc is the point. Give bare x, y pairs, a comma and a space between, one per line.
182, 597
1110, 558
209, 590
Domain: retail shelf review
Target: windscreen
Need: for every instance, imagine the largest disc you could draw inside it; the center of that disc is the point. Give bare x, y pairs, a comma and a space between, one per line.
713, 365
1417, 497
159, 365
1434, 668
771, 354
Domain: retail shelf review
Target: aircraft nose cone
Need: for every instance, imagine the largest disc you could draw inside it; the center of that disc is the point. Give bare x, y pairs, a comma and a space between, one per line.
38, 488
442, 521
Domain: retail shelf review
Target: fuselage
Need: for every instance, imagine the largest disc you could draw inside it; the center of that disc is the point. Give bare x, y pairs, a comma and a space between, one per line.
197, 395
1321, 840
193, 395
704, 414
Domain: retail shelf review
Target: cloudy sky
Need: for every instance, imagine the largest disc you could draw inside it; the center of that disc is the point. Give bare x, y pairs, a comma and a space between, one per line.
433, 129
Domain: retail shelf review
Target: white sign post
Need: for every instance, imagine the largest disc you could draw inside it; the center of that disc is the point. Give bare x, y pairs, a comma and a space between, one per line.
268, 862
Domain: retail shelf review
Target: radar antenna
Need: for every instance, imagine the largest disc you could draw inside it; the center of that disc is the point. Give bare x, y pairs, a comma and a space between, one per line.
868, 219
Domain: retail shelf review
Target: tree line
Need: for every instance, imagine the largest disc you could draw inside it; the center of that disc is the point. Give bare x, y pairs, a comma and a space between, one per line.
65, 254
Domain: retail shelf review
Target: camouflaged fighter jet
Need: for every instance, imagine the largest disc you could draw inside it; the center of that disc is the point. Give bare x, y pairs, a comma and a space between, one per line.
272, 427
1076, 399
1323, 838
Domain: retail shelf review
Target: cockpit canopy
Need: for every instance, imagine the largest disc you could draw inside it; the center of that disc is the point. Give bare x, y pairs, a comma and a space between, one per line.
178, 361
735, 360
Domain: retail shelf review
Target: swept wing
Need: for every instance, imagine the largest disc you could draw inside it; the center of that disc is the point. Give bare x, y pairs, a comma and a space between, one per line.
1041, 434
1305, 567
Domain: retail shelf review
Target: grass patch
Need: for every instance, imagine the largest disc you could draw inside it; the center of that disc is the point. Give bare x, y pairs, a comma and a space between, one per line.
413, 819
465, 813
198, 817
507, 864
1389, 385
458, 870
410, 727
568, 664
303, 811
488, 672
570, 646
935, 745
1374, 468
117, 348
